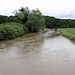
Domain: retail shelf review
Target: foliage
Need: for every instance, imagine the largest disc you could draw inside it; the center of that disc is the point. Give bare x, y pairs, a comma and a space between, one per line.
20, 25
14, 23
3, 19
68, 32
26, 20
26, 30
35, 21
10, 31
22, 14
52, 22
12, 19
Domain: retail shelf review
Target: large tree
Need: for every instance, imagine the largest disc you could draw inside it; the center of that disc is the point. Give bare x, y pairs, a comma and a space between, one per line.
22, 14
35, 21
32, 19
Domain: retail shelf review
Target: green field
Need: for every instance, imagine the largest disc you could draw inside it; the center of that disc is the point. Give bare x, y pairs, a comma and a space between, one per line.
68, 32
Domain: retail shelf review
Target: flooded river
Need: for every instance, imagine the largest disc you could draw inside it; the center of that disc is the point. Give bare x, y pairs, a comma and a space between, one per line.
38, 54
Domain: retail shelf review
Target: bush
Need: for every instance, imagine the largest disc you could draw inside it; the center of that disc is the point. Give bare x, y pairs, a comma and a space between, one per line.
7, 32
14, 23
20, 25
19, 30
26, 30
10, 31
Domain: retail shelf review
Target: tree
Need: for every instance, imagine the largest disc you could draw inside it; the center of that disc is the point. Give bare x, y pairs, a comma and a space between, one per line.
22, 14
35, 21
3, 19
50, 22
12, 19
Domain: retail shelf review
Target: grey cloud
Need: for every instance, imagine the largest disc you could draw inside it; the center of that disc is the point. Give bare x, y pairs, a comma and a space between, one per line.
68, 15
63, 14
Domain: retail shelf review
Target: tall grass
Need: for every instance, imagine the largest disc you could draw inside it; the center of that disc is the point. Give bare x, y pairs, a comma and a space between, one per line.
68, 32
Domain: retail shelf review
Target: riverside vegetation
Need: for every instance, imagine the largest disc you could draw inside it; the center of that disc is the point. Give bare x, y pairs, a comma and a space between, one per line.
68, 32
10, 31
27, 21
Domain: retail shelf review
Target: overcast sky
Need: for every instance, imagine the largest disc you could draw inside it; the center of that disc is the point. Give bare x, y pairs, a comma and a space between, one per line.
56, 8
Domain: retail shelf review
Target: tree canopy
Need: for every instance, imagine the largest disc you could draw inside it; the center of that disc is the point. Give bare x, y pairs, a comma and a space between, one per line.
52, 22
33, 19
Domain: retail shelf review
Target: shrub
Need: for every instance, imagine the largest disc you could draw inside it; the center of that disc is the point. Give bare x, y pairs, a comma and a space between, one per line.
14, 23
10, 31
18, 24
26, 30
7, 32
19, 31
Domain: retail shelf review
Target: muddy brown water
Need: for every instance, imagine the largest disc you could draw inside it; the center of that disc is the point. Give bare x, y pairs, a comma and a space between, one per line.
38, 54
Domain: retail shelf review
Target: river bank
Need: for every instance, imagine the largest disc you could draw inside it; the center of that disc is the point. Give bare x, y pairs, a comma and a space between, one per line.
68, 32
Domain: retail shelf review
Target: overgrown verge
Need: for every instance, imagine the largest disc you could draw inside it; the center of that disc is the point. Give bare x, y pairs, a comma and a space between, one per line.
10, 31
68, 32
26, 21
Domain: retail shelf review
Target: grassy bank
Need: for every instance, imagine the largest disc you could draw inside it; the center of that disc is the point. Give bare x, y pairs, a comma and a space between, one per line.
68, 32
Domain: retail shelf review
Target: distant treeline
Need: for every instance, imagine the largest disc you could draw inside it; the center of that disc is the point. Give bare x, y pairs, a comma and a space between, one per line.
5, 19
50, 22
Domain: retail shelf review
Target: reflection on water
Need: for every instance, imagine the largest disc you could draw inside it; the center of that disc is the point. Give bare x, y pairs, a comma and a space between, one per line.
38, 54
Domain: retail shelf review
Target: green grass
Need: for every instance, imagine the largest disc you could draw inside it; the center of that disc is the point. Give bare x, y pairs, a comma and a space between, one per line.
68, 32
